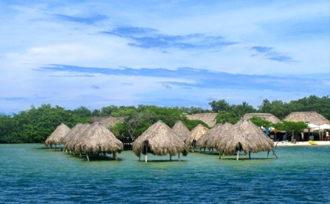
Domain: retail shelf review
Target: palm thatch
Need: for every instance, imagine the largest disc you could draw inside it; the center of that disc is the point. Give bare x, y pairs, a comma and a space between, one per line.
70, 140
202, 141
181, 130
195, 134
56, 137
267, 116
244, 136
308, 117
208, 118
108, 121
217, 134
96, 139
159, 139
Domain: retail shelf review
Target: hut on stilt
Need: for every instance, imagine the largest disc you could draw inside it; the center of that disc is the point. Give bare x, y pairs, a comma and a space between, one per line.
181, 130
56, 137
98, 139
195, 134
244, 136
71, 139
159, 139
202, 141
215, 136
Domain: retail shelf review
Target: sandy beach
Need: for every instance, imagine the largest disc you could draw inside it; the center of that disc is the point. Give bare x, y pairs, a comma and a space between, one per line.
287, 143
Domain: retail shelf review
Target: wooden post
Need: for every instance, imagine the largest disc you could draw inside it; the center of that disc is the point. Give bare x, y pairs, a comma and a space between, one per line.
146, 157
170, 157
219, 155
237, 155
87, 156
249, 155
179, 156
114, 155
267, 154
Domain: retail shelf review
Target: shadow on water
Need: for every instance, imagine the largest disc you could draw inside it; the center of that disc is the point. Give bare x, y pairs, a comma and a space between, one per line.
247, 159
162, 161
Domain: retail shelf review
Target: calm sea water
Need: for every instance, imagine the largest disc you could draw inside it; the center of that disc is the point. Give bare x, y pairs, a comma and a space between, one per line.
32, 174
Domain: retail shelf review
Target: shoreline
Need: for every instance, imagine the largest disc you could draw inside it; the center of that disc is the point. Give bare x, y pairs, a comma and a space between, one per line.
305, 143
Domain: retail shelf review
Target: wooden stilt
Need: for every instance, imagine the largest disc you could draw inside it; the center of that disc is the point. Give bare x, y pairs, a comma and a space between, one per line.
170, 157
87, 157
80, 155
237, 155
146, 146
179, 156
249, 155
139, 157
267, 154
114, 155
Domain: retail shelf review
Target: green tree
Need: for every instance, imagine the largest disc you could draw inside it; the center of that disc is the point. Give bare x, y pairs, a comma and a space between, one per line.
220, 105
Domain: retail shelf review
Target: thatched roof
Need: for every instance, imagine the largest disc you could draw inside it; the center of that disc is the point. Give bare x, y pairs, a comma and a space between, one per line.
73, 136
108, 121
214, 135
196, 133
161, 140
202, 141
208, 118
244, 136
98, 138
308, 117
181, 130
57, 136
267, 116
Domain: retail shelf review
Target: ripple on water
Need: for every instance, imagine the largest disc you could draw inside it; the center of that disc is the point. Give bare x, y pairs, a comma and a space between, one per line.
29, 174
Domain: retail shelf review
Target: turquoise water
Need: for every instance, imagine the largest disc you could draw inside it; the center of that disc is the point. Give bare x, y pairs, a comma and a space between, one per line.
32, 174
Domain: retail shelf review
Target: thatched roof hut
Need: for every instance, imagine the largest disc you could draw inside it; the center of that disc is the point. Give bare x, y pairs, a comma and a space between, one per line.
202, 141
208, 118
267, 116
194, 135
98, 139
308, 117
244, 136
57, 135
70, 140
159, 139
215, 135
181, 130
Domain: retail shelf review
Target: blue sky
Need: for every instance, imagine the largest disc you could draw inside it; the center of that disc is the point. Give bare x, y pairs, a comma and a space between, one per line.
165, 53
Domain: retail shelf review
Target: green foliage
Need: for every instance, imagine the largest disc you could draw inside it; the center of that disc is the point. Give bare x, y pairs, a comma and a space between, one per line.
260, 122
227, 116
291, 126
311, 103
36, 124
220, 105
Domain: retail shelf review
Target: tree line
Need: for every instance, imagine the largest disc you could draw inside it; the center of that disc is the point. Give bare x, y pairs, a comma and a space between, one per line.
36, 124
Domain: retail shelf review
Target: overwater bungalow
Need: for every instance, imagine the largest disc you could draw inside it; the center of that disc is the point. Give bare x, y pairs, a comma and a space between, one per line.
71, 139
194, 135
244, 136
210, 139
159, 139
57, 135
98, 139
